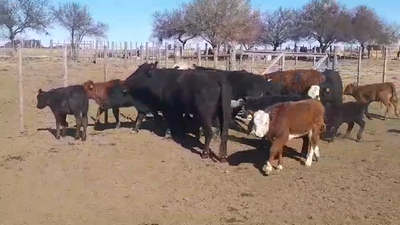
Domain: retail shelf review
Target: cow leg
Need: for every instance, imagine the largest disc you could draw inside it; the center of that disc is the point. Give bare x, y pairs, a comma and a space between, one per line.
349, 129
78, 119
394, 103
139, 119
314, 150
275, 149
115, 111
360, 123
306, 145
98, 114
207, 129
224, 134
387, 103
64, 125
58, 124
84, 124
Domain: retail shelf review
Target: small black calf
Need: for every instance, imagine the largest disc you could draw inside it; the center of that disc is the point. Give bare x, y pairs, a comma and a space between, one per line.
350, 113
71, 100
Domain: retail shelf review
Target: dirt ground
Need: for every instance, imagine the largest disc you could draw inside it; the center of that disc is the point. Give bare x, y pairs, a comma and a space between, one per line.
116, 177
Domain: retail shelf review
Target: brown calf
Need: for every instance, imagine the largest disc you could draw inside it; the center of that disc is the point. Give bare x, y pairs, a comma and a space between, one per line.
285, 121
296, 81
378, 92
99, 92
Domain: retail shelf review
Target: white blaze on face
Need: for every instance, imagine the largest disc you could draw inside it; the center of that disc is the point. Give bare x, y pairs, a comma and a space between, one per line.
261, 123
314, 92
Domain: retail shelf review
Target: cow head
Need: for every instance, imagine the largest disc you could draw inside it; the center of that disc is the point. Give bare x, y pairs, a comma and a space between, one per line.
314, 92
349, 89
42, 99
90, 89
260, 124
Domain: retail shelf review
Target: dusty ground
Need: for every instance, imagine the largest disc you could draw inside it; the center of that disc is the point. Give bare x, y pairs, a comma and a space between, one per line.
119, 178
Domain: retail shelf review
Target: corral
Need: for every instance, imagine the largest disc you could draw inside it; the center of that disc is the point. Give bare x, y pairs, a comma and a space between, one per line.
120, 178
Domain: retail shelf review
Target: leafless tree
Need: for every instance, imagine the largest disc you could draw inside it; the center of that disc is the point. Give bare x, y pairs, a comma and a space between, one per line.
390, 33
221, 21
76, 18
173, 24
365, 26
17, 16
252, 34
279, 26
297, 32
326, 21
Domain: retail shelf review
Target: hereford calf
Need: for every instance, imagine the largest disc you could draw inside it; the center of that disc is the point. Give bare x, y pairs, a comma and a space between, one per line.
71, 100
285, 121
378, 92
350, 113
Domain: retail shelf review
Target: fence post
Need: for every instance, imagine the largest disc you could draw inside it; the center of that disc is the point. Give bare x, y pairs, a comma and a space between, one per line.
283, 62
51, 49
141, 53
384, 64
216, 56
166, 55
176, 50
95, 51
20, 91
232, 58
65, 66
147, 52
335, 59
359, 65
198, 51
126, 55
105, 77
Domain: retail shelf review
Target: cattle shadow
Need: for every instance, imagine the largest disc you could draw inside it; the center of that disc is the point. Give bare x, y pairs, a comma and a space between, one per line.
396, 131
259, 153
70, 131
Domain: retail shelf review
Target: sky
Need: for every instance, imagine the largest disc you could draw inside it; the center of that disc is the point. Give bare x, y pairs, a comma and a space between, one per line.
131, 20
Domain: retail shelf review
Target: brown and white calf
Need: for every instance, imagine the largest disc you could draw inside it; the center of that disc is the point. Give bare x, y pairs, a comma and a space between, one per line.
282, 122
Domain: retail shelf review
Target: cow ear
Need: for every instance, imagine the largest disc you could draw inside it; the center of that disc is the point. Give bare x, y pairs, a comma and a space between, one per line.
155, 64
40, 91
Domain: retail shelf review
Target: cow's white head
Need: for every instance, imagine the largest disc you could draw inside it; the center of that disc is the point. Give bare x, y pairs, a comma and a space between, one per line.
314, 92
261, 121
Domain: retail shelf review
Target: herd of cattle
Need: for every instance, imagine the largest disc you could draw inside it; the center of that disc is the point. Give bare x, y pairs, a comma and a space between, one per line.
279, 106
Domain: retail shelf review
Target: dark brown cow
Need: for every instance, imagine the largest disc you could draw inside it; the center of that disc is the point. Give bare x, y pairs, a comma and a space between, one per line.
296, 81
100, 93
282, 122
378, 92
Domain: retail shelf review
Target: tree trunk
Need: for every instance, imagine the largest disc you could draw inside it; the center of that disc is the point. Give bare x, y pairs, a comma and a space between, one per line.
275, 47
362, 51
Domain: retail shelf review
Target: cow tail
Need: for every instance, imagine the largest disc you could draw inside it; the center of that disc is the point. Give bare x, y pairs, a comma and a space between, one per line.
394, 94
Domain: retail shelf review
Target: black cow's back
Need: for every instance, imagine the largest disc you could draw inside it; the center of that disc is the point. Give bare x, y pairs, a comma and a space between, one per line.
68, 100
254, 104
332, 88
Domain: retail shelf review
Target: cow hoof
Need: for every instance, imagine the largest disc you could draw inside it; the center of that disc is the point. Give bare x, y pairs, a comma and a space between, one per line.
205, 155
58, 137
223, 159
83, 139
267, 169
134, 131
76, 138
118, 126
279, 167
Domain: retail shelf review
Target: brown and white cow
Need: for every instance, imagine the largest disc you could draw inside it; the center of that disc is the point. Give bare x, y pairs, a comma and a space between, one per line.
296, 81
378, 92
282, 122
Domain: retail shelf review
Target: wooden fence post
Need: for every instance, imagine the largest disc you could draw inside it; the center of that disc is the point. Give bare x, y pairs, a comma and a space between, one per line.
126, 55
384, 64
51, 49
198, 52
335, 59
232, 58
20, 91
106, 76
166, 55
176, 50
216, 56
65, 66
141, 54
359, 65
147, 52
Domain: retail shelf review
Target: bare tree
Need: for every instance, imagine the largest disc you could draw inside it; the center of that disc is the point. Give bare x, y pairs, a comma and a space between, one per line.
252, 34
297, 32
279, 26
173, 24
76, 18
365, 26
389, 33
17, 16
220, 21
326, 21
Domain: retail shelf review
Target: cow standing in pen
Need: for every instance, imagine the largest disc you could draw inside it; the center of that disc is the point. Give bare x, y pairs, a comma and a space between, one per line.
71, 100
282, 122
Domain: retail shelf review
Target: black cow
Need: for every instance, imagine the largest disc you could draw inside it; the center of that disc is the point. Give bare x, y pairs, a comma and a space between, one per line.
331, 89
71, 100
350, 113
204, 94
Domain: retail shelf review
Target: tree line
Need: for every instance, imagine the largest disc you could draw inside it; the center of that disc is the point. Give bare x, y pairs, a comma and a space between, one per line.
225, 22
17, 16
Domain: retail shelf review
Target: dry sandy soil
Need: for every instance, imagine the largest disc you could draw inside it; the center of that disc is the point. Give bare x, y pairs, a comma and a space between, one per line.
119, 178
